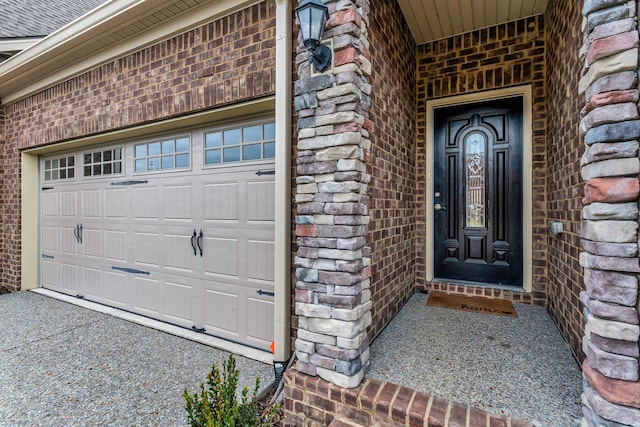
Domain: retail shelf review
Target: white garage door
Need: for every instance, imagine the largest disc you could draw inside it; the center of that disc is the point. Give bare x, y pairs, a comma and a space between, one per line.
178, 228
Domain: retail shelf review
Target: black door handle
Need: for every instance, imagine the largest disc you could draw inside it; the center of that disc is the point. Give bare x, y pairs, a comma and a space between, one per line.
200, 240
193, 242
80, 233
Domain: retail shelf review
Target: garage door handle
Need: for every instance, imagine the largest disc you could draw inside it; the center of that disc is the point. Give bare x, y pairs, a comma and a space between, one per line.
193, 242
200, 240
77, 233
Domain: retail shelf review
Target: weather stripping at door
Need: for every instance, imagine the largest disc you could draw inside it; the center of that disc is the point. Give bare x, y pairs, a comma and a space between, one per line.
200, 236
130, 270
129, 182
260, 173
261, 292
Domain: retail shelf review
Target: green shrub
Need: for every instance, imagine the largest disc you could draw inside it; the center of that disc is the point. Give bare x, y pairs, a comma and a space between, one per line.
218, 406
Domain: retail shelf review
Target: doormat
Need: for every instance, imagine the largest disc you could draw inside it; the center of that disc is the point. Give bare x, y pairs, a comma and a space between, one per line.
474, 304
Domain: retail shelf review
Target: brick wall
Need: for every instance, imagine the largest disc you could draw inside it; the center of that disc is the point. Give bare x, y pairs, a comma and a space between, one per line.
392, 165
565, 189
496, 57
311, 401
229, 60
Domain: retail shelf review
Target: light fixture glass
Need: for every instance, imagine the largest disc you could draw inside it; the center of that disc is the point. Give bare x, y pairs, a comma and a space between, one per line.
312, 15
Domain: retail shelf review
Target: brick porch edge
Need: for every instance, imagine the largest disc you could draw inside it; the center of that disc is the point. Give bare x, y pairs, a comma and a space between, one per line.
312, 401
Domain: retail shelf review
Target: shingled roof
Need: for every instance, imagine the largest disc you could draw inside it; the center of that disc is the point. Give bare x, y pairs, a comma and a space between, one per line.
39, 18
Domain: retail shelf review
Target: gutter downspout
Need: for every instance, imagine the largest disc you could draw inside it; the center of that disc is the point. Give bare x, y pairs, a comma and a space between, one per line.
282, 314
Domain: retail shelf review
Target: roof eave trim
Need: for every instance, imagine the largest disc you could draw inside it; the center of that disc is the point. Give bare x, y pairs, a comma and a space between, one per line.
18, 43
71, 34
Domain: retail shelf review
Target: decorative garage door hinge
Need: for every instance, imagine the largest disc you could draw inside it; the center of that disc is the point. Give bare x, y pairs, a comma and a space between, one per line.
130, 270
261, 292
198, 330
260, 173
129, 182
47, 188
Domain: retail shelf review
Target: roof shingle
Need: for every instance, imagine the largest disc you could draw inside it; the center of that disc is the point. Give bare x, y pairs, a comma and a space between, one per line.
39, 18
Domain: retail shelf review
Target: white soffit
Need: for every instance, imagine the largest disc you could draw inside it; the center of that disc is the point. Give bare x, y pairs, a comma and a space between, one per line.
437, 19
111, 30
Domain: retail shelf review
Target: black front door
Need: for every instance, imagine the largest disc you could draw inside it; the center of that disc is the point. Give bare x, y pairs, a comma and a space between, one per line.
478, 192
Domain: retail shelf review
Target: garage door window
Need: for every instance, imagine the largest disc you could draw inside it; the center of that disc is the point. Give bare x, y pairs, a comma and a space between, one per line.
246, 143
103, 162
59, 168
163, 155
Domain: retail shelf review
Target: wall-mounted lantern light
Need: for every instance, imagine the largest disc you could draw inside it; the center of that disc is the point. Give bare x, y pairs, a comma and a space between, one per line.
312, 15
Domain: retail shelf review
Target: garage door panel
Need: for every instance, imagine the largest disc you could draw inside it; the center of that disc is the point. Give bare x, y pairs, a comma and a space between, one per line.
68, 241
180, 256
177, 202
92, 242
260, 260
115, 203
50, 276
68, 204
178, 301
116, 292
92, 283
260, 320
147, 249
148, 292
50, 204
221, 256
50, 239
221, 312
261, 201
145, 204
69, 278
115, 245
221, 202
91, 204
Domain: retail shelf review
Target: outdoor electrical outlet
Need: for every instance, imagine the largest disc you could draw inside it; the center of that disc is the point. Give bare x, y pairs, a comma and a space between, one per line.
555, 227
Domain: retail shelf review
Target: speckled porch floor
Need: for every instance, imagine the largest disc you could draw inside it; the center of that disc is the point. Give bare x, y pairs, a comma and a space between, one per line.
520, 367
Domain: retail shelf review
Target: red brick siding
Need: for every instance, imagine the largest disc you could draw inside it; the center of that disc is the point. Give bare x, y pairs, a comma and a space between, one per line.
392, 163
311, 401
496, 57
564, 184
227, 61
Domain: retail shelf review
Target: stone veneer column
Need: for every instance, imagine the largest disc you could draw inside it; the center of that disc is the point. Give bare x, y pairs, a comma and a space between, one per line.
332, 265
610, 166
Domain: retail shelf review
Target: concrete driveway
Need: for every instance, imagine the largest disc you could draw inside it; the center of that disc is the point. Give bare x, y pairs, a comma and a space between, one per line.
64, 365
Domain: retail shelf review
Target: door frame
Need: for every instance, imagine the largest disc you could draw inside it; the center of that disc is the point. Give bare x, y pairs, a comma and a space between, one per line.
527, 173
